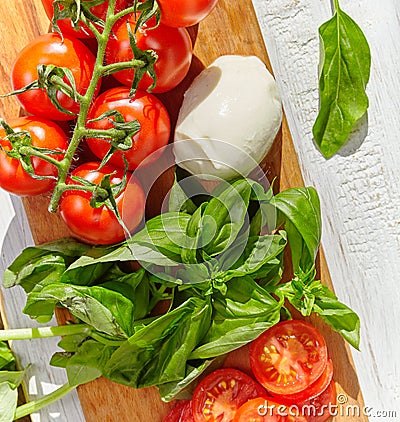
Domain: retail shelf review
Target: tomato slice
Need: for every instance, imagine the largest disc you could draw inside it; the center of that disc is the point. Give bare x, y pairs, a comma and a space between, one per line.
318, 409
266, 410
289, 357
220, 394
314, 390
181, 413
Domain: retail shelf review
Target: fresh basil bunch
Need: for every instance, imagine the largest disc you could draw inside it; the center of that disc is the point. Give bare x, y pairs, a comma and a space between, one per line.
215, 260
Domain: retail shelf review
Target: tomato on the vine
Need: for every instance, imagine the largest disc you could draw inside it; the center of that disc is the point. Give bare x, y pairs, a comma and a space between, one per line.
266, 410
82, 31
173, 47
44, 134
183, 13
50, 49
220, 394
181, 413
289, 357
154, 126
100, 225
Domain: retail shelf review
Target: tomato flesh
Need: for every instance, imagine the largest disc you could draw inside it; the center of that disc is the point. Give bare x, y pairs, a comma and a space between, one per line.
313, 390
173, 47
220, 394
154, 126
183, 13
51, 49
100, 225
289, 357
44, 134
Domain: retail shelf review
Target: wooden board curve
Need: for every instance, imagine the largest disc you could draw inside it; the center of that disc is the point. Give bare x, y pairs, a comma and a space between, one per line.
231, 29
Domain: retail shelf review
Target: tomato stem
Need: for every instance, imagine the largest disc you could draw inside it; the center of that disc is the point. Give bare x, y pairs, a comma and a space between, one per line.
116, 67
85, 102
34, 153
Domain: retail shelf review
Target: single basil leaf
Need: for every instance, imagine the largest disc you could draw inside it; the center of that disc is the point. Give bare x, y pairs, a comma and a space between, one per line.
345, 71
239, 317
339, 316
179, 201
42, 264
7, 359
106, 311
88, 362
72, 342
301, 207
183, 389
14, 378
8, 402
157, 352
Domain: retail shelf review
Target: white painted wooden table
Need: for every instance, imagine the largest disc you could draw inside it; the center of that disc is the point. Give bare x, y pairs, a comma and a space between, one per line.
359, 189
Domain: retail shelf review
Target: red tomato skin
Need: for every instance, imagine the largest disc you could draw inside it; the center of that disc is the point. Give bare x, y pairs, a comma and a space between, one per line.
227, 389
180, 413
266, 409
100, 226
45, 134
183, 13
289, 337
172, 45
325, 399
155, 126
50, 49
84, 32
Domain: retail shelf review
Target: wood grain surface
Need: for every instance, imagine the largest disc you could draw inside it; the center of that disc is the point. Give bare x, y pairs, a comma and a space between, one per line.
230, 29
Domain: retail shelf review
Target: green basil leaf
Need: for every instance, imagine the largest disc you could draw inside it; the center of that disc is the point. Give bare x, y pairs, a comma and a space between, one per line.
183, 389
103, 309
301, 208
8, 402
156, 353
338, 315
42, 264
7, 359
239, 317
14, 378
345, 71
88, 362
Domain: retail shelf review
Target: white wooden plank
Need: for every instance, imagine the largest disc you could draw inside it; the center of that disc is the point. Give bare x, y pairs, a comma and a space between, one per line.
360, 187
41, 378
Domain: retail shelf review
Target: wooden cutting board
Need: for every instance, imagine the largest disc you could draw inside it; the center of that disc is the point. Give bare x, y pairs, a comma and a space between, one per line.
232, 28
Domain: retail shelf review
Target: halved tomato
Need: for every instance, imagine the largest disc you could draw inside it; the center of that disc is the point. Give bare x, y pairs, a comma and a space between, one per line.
181, 413
220, 394
314, 390
289, 357
267, 410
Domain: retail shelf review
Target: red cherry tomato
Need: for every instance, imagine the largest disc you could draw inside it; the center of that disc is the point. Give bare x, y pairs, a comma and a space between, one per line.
100, 225
44, 134
154, 125
182, 13
314, 390
321, 408
50, 49
83, 31
172, 45
220, 394
181, 413
266, 410
288, 357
